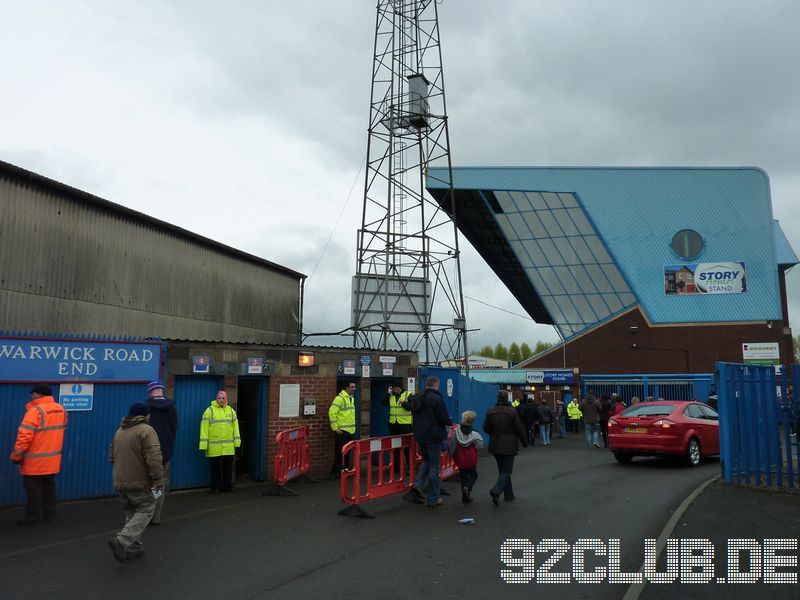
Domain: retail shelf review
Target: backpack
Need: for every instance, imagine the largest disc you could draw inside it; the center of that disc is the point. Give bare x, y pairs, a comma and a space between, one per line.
465, 457
413, 401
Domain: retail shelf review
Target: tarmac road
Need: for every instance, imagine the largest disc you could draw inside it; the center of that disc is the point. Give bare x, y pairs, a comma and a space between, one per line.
244, 545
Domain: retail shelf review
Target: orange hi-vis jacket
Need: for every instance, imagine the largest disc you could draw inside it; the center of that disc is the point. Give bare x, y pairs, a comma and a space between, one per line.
40, 437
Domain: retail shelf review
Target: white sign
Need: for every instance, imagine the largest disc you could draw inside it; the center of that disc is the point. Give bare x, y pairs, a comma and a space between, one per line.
365, 371
761, 351
387, 359
387, 369
76, 396
534, 376
289, 403
720, 278
449, 388
411, 386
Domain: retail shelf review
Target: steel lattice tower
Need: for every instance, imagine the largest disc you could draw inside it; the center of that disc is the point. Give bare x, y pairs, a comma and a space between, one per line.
407, 288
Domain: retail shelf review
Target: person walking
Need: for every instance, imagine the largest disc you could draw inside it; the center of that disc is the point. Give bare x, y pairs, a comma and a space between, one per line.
574, 415
430, 424
164, 419
606, 404
506, 433
342, 417
545, 422
219, 438
590, 408
400, 419
464, 445
138, 471
37, 453
561, 417
619, 406
529, 415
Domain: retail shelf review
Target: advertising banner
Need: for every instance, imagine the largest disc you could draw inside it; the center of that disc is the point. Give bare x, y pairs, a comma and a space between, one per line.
705, 278
762, 353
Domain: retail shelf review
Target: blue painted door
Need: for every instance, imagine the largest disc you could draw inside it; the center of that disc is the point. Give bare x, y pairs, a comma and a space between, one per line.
192, 396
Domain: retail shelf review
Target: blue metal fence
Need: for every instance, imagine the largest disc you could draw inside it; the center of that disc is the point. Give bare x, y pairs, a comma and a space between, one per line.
688, 386
462, 393
757, 423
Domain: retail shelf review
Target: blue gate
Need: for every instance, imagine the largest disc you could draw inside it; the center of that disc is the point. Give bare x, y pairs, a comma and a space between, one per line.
691, 386
462, 393
192, 396
757, 445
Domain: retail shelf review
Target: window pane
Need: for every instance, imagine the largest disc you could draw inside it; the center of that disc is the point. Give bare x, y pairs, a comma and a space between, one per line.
597, 249
581, 221
535, 225
567, 226
508, 231
566, 250
550, 251
522, 254
551, 280
536, 254
599, 279
569, 200
628, 299
599, 306
538, 283
521, 200
536, 200
616, 280
505, 201
519, 224
552, 200
567, 280
585, 311
585, 255
550, 224
551, 305
584, 280
614, 304
569, 310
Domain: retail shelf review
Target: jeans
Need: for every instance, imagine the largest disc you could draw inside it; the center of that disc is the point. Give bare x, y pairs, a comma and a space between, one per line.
562, 427
505, 466
592, 434
429, 469
544, 433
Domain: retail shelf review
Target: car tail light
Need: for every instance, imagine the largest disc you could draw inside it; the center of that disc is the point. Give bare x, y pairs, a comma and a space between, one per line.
612, 422
663, 424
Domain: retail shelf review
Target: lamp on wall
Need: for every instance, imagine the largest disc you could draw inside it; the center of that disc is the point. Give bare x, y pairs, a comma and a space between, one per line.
305, 359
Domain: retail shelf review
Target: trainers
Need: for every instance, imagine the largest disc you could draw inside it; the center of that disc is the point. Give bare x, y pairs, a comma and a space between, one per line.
465, 497
495, 498
438, 502
118, 549
418, 492
596, 445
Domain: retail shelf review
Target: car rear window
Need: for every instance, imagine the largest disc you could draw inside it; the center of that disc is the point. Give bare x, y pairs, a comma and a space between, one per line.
648, 410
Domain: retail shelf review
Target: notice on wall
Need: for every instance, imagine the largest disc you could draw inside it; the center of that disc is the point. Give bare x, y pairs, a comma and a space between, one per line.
289, 401
763, 353
705, 278
76, 396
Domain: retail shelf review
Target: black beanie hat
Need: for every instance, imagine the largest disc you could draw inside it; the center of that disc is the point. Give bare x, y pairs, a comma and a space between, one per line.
138, 409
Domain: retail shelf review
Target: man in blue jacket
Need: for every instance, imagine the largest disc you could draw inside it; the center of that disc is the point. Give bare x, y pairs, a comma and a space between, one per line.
164, 419
430, 425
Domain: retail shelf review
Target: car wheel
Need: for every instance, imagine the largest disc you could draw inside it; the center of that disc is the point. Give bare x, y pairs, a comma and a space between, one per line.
693, 453
623, 458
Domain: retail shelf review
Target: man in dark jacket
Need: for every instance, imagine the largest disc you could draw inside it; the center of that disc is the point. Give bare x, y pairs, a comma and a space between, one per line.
430, 430
506, 432
138, 478
164, 419
590, 408
606, 404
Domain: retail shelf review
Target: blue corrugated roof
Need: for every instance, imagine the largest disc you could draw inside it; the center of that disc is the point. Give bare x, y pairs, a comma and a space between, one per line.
638, 210
783, 250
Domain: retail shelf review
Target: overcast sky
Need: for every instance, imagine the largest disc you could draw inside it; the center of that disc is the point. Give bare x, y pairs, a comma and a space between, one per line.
246, 122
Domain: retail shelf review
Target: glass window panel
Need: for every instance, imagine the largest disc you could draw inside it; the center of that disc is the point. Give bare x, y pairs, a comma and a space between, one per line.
535, 252
550, 223
509, 232
585, 255
538, 283
551, 280
581, 221
551, 304
584, 309
522, 254
521, 200
505, 201
628, 299
550, 251
584, 280
552, 200
566, 331
569, 200
566, 250
567, 280
535, 225
520, 226
569, 310
615, 279
537, 201
600, 307
599, 278
614, 304
597, 249
566, 224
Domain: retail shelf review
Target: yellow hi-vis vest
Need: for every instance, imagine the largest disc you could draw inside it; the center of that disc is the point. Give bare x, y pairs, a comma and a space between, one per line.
398, 414
573, 411
219, 430
515, 403
342, 413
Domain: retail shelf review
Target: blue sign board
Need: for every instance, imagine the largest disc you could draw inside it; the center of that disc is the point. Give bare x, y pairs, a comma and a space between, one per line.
51, 360
76, 396
551, 376
365, 359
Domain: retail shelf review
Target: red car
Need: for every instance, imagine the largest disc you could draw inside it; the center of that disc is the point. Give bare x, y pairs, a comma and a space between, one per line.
664, 428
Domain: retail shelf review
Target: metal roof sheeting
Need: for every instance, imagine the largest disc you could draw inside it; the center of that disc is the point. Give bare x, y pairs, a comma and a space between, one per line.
783, 249
638, 210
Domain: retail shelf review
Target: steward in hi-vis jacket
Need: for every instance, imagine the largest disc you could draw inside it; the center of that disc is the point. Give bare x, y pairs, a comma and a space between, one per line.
219, 437
342, 416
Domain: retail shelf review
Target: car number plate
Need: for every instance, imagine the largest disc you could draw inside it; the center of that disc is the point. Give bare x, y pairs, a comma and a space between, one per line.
635, 430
